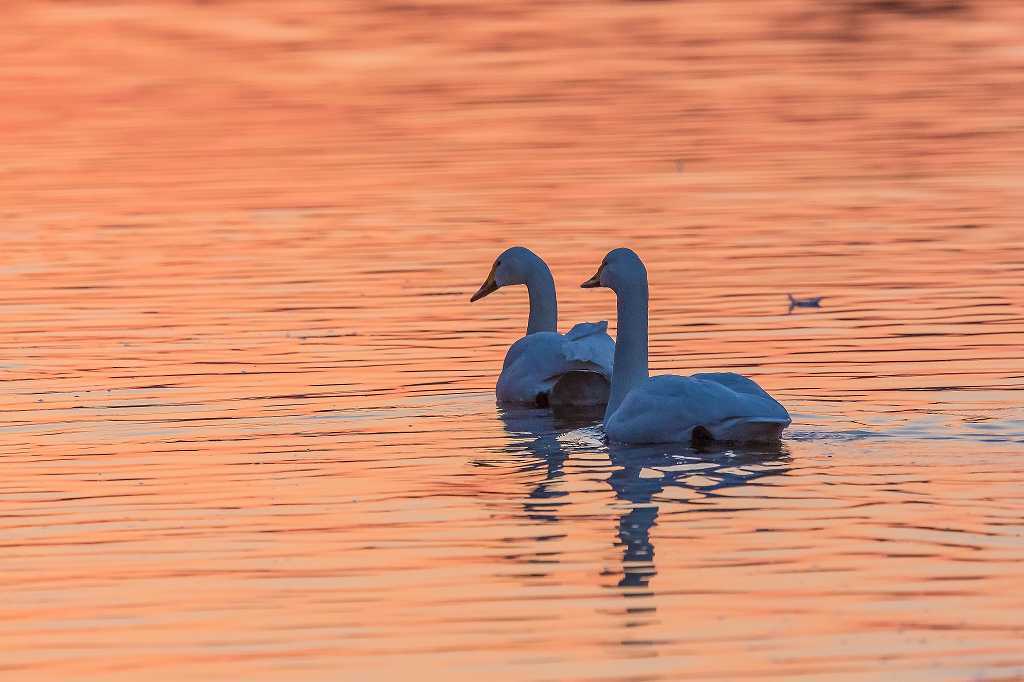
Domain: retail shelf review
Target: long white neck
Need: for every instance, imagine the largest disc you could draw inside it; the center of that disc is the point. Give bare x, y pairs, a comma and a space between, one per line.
630, 368
543, 302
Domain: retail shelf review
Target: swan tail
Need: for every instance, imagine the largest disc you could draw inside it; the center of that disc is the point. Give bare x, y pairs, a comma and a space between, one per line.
588, 347
750, 429
585, 329
579, 388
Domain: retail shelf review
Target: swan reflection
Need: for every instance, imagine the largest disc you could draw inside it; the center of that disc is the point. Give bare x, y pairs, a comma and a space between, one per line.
637, 475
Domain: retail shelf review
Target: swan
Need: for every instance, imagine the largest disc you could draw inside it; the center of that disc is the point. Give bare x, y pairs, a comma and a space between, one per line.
670, 408
544, 367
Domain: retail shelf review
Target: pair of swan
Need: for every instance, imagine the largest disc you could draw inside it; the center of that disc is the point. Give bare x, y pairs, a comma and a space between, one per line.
640, 408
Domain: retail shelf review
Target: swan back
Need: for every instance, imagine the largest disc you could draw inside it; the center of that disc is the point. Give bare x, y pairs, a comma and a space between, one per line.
534, 363
725, 406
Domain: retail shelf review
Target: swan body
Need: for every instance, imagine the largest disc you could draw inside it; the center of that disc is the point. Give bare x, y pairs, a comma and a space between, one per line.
673, 409
670, 408
536, 364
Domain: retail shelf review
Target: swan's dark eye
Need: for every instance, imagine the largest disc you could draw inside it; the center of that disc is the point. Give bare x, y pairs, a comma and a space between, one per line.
497, 263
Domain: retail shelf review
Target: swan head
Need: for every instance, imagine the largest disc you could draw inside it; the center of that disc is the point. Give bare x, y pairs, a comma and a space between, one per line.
619, 268
513, 266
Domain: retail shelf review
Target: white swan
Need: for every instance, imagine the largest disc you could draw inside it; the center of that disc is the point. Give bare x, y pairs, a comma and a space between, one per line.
669, 408
545, 367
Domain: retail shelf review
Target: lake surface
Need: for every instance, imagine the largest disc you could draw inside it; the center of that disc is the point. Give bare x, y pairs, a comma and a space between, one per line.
248, 429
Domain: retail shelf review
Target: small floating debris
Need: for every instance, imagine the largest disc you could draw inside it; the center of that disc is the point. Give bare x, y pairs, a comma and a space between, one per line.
810, 302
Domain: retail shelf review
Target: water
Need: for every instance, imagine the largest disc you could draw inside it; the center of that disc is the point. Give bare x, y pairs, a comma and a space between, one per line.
248, 428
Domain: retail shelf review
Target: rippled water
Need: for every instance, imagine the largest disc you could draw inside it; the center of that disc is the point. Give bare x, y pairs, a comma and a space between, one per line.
248, 427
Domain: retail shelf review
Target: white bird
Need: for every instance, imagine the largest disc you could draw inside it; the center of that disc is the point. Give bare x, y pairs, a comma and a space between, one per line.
670, 408
544, 367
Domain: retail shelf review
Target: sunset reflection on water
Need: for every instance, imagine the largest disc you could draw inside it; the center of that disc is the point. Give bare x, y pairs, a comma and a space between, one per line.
248, 422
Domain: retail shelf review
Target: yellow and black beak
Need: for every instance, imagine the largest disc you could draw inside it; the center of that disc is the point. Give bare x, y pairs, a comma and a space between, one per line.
594, 281
488, 287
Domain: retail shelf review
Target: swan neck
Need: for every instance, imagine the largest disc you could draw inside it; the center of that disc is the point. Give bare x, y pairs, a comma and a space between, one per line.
630, 369
543, 301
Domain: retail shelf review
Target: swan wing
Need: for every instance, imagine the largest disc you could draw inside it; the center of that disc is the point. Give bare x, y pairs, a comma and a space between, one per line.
668, 408
588, 346
585, 329
529, 346
734, 382
534, 362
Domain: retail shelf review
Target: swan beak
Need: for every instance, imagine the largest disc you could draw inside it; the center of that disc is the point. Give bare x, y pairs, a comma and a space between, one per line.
594, 281
488, 287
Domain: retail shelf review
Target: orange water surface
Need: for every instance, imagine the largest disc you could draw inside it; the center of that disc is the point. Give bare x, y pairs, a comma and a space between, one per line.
247, 425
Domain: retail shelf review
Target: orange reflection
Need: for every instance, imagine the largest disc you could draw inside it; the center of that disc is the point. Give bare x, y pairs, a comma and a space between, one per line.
247, 426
